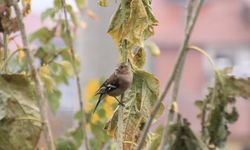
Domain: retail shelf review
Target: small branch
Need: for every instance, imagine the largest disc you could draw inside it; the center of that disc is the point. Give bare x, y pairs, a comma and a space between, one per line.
206, 55
192, 13
5, 63
38, 83
5, 48
78, 82
177, 70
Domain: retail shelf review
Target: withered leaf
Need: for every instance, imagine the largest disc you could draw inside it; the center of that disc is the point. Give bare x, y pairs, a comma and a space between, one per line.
220, 98
133, 22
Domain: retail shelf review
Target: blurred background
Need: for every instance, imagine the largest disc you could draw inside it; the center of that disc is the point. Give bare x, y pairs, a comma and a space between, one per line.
222, 29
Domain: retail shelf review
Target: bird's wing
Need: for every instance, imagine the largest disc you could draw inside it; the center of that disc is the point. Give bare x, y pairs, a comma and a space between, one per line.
99, 100
110, 84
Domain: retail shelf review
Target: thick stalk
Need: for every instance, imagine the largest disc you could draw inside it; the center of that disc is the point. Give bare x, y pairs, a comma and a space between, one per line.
120, 129
38, 83
78, 81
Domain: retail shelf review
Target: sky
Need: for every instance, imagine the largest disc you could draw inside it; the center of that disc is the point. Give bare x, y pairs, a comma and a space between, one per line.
38, 6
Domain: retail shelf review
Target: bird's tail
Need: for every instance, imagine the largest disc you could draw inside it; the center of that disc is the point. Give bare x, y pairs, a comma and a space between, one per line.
99, 100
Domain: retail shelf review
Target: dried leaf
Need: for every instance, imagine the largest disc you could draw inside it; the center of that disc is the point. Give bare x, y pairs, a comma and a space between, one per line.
139, 58
181, 137
9, 25
221, 96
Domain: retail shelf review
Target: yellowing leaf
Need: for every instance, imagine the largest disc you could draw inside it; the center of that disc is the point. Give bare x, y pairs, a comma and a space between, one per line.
91, 88
67, 68
81, 4
94, 118
45, 75
139, 59
153, 49
88, 107
109, 100
132, 22
89, 92
21, 55
103, 3
44, 71
26, 6
108, 109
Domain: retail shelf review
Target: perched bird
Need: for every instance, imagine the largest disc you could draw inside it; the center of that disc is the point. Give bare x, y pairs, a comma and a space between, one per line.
117, 83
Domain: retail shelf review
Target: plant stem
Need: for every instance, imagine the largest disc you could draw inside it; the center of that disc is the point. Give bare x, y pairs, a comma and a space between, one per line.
192, 14
5, 48
78, 81
120, 129
38, 83
177, 70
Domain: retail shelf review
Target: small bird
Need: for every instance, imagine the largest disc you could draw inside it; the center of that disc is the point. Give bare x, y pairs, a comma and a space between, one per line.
117, 83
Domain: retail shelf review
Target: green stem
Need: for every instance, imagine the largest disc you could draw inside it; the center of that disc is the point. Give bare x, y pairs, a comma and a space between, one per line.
5, 50
82, 121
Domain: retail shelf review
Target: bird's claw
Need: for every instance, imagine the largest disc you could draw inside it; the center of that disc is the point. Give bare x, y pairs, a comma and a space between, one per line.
121, 104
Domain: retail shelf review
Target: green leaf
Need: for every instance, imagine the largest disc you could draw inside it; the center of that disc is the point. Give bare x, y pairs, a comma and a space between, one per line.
44, 35
77, 135
50, 12
20, 121
156, 142
66, 144
73, 15
54, 100
81, 4
58, 4
232, 116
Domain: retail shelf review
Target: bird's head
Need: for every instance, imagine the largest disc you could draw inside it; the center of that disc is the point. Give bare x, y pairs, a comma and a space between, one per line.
123, 68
